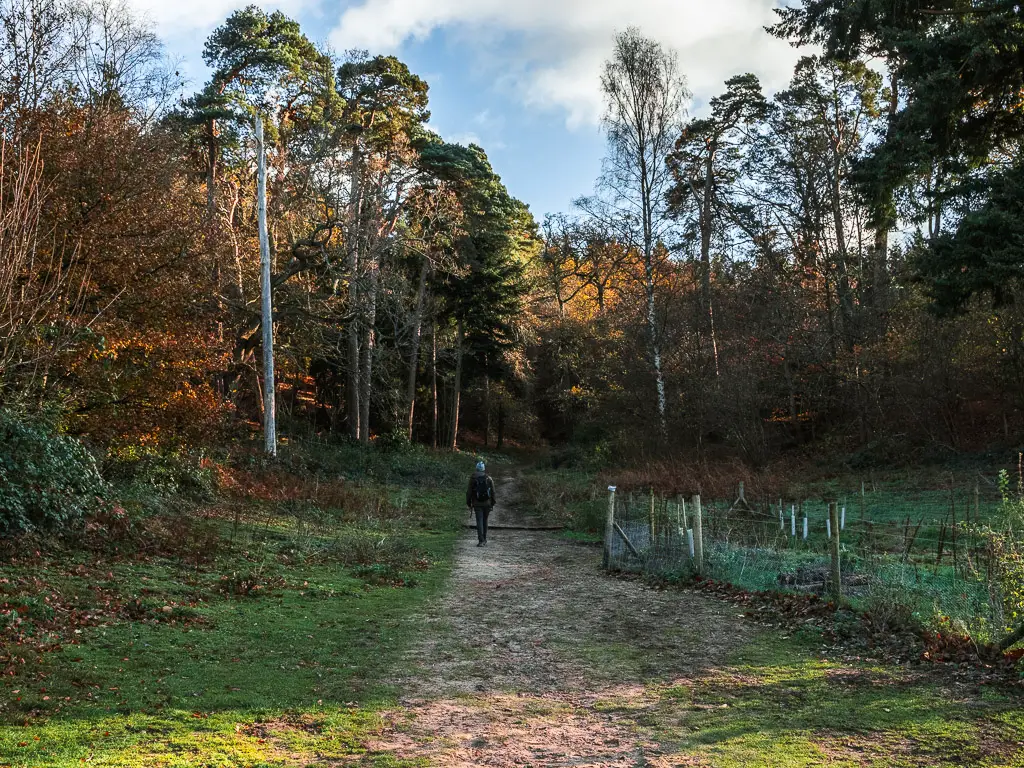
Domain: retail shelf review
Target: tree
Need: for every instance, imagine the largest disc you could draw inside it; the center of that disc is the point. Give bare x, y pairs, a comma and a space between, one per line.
706, 163
118, 61
385, 105
262, 63
484, 293
957, 108
645, 96
435, 224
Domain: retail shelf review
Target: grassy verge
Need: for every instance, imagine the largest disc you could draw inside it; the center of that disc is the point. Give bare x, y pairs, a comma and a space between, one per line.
262, 627
779, 701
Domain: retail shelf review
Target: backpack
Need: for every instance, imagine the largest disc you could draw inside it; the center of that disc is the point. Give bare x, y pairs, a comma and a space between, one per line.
481, 493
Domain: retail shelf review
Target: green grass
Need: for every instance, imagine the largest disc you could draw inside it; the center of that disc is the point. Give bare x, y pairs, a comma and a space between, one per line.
889, 559
779, 702
280, 649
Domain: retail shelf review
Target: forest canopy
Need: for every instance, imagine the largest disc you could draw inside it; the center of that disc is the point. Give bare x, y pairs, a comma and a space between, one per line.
837, 264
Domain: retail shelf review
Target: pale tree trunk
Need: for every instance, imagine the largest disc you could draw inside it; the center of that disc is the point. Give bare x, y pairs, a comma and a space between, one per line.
414, 352
652, 328
269, 419
456, 391
369, 347
433, 382
352, 380
652, 315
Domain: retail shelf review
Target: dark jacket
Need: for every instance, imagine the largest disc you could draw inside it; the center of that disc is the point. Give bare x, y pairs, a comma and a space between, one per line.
470, 500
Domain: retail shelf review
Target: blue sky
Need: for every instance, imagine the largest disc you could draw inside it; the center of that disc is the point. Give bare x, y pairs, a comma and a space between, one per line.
519, 77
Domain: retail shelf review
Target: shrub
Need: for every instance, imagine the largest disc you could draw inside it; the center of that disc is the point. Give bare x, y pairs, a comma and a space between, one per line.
48, 481
1006, 539
155, 472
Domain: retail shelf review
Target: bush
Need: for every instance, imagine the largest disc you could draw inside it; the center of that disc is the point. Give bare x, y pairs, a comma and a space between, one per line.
48, 481
155, 472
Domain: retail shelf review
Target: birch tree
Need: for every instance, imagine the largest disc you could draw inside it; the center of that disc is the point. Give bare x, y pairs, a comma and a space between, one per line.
645, 97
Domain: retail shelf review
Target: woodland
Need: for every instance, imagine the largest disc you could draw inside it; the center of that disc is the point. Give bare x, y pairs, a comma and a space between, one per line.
255, 332
833, 268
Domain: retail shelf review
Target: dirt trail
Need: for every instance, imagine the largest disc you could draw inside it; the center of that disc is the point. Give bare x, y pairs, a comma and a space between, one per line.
536, 658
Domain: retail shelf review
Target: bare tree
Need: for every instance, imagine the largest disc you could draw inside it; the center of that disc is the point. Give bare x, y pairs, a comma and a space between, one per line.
118, 60
36, 55
37, 292
645, 99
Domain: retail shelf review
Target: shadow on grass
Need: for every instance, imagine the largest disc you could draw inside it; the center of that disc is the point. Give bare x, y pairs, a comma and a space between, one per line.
296, 670
781, 703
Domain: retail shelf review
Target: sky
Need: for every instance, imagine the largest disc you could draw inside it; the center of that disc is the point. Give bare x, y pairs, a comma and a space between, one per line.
518, 77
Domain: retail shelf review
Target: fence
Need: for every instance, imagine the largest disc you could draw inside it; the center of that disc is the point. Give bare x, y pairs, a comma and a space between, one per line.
925, 553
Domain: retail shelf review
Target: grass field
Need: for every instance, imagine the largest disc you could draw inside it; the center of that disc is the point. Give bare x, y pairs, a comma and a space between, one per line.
269, 626
264, 630
782, 701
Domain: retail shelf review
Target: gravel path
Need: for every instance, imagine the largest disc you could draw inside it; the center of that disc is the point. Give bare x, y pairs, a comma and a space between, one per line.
535, 657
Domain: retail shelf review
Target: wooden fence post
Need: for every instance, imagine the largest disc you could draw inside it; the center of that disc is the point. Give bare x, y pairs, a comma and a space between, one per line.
609, 528
835, 576
698, 537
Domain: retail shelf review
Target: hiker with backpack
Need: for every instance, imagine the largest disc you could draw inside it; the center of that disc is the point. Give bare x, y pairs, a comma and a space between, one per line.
480, 498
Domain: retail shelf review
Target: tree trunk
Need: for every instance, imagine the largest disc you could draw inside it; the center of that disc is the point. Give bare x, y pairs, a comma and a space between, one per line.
794, 414
456, 391
652, 330
487, 411
433, 382
414, 352
881, 245
369, 346
267, 318
843, 289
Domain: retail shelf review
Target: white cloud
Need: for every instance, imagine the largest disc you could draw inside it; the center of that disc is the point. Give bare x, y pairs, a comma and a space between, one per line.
197, 18
550, 51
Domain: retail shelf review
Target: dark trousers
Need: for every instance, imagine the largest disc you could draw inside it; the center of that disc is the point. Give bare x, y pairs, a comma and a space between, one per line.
482, 514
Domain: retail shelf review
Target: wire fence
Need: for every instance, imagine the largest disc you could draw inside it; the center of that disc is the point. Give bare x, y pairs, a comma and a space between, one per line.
928, 554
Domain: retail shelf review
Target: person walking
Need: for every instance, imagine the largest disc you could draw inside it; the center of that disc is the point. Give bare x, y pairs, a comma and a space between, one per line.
480, 498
